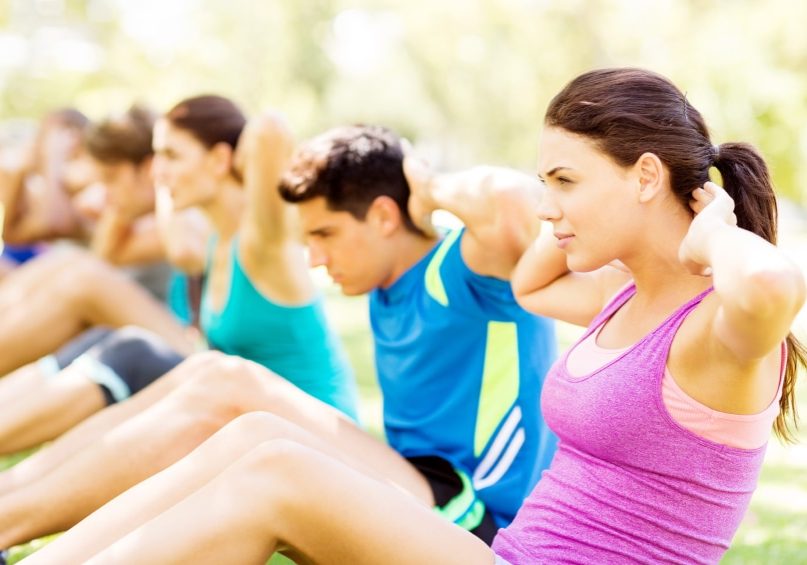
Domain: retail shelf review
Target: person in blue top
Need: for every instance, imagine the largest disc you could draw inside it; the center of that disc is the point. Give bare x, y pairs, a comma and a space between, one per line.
459, 363
259, 304
460, 367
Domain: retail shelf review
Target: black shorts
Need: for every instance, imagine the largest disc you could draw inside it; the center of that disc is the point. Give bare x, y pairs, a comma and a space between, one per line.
455, 498
73, 349
122, 362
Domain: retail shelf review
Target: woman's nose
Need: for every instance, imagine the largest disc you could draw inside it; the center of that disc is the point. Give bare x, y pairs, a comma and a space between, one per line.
547, 208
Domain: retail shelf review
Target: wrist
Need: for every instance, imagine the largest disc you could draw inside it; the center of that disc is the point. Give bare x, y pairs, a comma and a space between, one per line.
715, 237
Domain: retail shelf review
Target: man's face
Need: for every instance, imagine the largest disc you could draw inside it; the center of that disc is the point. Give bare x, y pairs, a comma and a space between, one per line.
127, 184
354, 251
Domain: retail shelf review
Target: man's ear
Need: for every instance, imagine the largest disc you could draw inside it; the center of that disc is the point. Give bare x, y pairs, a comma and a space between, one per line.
384, 215
144, 167
651, 175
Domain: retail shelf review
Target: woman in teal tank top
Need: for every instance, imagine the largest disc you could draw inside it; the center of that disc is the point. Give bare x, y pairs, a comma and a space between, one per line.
258, 300
294, 341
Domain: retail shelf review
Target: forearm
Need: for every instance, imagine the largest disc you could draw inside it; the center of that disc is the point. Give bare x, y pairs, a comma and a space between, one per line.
487, 198
110, 233
752, 276
542, 264
11, 182
496, 205
267, 148
183, 235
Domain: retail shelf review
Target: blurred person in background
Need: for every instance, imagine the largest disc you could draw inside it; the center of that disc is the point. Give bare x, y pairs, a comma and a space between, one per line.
34, 192
69, 289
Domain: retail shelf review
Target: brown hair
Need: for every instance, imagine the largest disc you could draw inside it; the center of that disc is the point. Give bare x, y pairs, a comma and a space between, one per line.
209, 118
350, 167
126, 137
627, 112
68, 117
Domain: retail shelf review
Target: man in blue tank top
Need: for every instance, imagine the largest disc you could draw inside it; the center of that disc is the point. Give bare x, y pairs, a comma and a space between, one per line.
459, 363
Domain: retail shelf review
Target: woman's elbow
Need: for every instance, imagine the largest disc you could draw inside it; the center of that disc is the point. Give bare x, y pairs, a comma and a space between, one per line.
777, 290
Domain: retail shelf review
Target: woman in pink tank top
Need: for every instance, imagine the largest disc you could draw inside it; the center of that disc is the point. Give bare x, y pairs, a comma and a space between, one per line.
696, 318
664, 406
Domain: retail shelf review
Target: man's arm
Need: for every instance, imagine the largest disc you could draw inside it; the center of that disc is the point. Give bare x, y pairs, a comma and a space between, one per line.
497, 206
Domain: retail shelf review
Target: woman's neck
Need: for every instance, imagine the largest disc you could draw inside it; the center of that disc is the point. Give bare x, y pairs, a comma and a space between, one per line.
659, 275
225, 210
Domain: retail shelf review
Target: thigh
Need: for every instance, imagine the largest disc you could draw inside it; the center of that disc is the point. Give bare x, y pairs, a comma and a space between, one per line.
282, 495
365, 521
239, 386
40, 270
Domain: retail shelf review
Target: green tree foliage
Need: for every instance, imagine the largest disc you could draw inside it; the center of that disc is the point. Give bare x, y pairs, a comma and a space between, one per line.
468, 80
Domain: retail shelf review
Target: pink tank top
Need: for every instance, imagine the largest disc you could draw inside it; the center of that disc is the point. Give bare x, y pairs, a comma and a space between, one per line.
735, 430
628, 483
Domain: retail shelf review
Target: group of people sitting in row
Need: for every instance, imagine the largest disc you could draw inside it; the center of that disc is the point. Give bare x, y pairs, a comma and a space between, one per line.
224, 427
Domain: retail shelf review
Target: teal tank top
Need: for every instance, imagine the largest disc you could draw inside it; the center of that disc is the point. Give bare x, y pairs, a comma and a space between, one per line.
177, 297
296, 342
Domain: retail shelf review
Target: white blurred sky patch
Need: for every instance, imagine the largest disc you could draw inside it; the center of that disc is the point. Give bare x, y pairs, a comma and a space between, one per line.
159, 26
361, 40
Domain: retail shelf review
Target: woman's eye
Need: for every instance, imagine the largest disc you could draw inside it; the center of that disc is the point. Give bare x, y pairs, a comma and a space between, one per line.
563, 180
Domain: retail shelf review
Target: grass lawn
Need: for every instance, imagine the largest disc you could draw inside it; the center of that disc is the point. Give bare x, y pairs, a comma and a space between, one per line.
773, 532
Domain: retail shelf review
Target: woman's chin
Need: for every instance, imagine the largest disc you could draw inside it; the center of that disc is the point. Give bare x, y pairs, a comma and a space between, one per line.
578, 266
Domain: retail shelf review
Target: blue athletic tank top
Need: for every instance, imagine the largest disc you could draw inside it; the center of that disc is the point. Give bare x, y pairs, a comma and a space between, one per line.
461, 367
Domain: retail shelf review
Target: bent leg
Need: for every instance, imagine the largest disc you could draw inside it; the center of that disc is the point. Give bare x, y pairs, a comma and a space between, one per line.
285, 496
171, 428
42, 400
34, 272
160, 492
26, 380
86, 292
59, 404
41, 463
6, 267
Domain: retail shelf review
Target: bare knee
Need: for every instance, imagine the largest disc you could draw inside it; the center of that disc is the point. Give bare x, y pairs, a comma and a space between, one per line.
191, 368
284, 467
238, 385
219, 390
256, 428
265, 477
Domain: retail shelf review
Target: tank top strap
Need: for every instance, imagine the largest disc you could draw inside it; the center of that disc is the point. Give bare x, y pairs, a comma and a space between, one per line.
619, 300
670, 326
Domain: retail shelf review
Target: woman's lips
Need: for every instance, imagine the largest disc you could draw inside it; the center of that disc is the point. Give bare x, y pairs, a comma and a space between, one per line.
563, 239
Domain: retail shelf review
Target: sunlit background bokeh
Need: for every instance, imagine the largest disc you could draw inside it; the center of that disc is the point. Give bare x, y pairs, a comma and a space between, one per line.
470, 78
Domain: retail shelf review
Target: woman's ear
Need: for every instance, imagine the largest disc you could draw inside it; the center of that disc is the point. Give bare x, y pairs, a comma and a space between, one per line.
221, 156
651, 176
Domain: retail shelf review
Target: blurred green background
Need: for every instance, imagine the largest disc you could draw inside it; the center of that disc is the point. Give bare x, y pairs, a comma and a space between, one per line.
467, 81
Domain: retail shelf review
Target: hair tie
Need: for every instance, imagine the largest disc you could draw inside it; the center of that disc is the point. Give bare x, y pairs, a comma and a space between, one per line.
715, 153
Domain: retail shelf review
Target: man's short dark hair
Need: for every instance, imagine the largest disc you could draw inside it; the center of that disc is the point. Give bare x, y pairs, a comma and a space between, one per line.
350, 167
